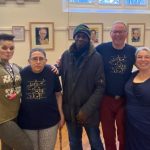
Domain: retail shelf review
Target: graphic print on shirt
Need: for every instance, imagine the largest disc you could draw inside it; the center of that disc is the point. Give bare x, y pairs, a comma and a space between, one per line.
8, 80
36, 89
118, 64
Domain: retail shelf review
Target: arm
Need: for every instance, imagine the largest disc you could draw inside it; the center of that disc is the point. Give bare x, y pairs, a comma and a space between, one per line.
55, 68
59, 103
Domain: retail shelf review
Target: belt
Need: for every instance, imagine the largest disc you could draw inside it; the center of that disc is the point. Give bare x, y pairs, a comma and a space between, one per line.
116, 97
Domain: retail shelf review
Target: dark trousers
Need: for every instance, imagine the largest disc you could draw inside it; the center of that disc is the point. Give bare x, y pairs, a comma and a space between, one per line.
13, 137
113, 122
75, 136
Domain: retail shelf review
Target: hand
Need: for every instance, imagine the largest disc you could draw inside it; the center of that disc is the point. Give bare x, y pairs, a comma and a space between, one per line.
62, 121
54, 69
81, 117
58, 61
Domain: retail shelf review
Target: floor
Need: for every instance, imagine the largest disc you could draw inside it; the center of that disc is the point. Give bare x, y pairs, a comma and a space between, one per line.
65, 143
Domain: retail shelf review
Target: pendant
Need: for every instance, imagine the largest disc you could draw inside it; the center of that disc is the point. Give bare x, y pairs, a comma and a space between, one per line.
12, 96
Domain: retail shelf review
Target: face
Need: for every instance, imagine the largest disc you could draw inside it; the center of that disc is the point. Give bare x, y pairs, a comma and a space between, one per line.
81, 40
136, 34
6, 50
93, 35
43, 33
118, 34
37, 61
143, 60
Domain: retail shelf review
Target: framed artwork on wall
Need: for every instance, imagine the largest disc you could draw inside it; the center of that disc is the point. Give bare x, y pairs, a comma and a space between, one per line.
96, 32
70, 32
42, 35
19, 33
136, 34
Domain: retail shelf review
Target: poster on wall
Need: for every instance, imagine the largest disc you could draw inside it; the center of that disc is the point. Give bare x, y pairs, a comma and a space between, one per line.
42, 35
19, 33
136, 34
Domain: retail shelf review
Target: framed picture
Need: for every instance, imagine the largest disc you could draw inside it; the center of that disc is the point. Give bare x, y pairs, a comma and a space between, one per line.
96, 32
70, 32
42, 35
136, 34
19, 33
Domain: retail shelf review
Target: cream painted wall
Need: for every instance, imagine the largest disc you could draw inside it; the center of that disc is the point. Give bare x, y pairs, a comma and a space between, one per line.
51, 11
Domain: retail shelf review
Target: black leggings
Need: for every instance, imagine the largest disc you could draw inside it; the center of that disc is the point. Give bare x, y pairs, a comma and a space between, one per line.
13, 137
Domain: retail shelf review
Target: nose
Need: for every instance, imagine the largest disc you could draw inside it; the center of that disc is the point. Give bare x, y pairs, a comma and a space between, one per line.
9, 50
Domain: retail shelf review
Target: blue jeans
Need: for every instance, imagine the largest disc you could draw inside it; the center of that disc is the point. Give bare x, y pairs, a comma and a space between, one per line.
75, 136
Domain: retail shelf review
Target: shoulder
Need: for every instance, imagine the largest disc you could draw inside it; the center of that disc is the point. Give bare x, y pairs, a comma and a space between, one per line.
130, 48
25, 69
17, 66
48, 70
103, 46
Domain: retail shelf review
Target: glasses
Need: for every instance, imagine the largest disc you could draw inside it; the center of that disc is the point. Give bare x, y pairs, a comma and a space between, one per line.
36, 59
5, 48
118, 32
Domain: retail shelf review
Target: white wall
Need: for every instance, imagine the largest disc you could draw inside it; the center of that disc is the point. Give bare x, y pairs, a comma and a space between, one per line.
12, 14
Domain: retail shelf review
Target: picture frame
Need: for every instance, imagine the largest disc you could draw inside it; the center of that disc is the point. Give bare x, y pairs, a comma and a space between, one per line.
136, 34
42, 35
70, 32
19, 33
96, 27
96, 32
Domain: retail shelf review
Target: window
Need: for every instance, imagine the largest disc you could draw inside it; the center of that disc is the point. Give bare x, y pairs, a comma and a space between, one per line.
104, 2
107, 6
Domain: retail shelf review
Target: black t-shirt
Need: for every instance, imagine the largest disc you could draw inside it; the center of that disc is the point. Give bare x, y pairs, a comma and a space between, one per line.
38, 104
118, 65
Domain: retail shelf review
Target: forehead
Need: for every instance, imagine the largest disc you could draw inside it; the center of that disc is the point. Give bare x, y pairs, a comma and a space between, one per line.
119, 26
143, 52
81, 34
43, 30
6, 42
37, 54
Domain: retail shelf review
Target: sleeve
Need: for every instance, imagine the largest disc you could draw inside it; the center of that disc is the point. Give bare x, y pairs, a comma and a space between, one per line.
57, 84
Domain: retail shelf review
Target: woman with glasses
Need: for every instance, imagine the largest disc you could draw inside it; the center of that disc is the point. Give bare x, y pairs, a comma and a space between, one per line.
10, 133
41, 112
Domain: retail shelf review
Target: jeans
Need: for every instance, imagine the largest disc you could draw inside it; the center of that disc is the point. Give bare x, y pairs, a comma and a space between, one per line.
75, 136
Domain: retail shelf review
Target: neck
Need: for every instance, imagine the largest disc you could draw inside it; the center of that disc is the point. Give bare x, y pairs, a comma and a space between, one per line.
144, 73
4, 61
119, 46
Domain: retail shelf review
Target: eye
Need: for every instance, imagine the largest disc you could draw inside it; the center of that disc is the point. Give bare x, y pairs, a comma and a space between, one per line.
6, 48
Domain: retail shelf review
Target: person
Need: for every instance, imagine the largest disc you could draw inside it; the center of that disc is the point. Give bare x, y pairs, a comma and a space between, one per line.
135, 35
81, 70
11, 134
94, 38
42, 37
40, 113
118, 58
138, 103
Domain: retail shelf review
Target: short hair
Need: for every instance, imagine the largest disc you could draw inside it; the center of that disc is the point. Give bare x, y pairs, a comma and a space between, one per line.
8, 37
41, 50
142, 49
120, 22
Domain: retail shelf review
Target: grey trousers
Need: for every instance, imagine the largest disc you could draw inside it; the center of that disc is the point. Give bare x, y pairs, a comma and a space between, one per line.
43, 139
13, 137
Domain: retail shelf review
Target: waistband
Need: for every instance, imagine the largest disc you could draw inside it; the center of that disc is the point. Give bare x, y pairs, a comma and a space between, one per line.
116, 97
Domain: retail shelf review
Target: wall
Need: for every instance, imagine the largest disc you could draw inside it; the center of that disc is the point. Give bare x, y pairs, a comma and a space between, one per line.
51, 11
